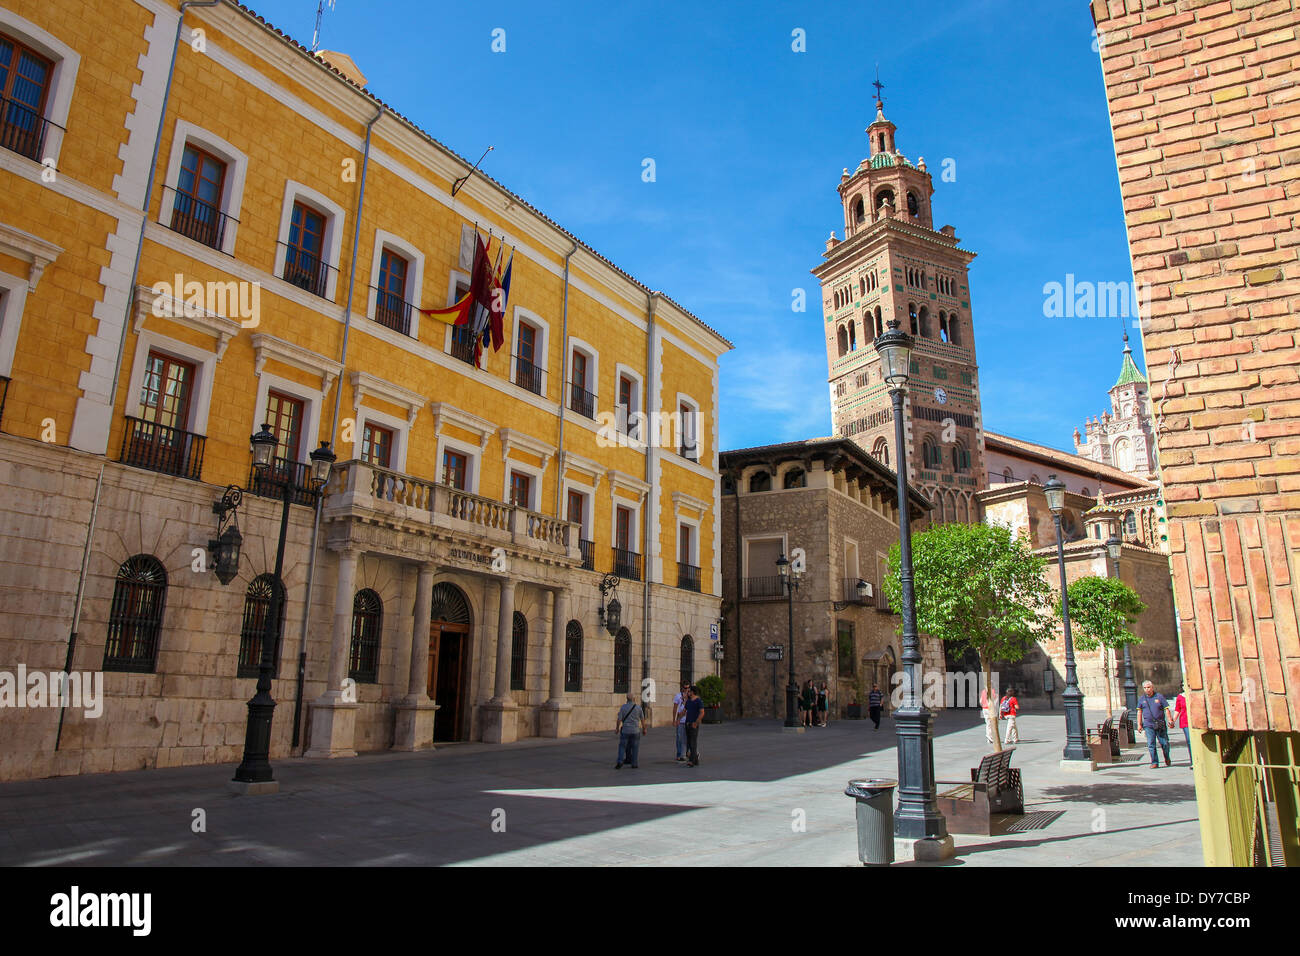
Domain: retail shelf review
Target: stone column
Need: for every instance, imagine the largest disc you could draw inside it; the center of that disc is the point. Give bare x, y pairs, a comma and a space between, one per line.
415, 712
501, 713
334, 713
557, 712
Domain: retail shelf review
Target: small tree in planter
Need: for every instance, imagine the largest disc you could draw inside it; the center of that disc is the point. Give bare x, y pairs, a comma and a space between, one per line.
712, 694
1102, 610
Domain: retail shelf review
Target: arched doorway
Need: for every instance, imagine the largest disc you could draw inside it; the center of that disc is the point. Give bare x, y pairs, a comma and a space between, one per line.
449, 657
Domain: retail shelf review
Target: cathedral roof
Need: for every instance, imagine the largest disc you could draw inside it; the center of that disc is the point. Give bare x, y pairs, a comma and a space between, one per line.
1128, 372
880, 160
1019, 448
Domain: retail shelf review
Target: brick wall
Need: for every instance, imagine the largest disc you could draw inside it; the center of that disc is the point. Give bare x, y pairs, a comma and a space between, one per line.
1205, 109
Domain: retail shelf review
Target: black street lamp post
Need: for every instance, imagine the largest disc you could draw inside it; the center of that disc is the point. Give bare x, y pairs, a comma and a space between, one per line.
1113, 545
256, 765
918, 816
790, 579
1076, 742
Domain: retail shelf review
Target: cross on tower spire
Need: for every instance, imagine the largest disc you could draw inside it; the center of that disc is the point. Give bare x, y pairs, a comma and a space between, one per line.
880, 100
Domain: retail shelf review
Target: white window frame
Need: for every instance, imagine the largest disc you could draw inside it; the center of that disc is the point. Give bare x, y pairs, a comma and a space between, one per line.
635, 538
414, 276
332, 243
13, 302
311, 399
684, 399
588, 499
643, 426
593, 370
473, 460
205, 368
398, 426
63, 77
762, 536
541, 350
857, 559
232, 189
534, 487
694, 525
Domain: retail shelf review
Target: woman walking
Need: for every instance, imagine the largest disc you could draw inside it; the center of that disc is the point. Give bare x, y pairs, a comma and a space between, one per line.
823, 704
808, 702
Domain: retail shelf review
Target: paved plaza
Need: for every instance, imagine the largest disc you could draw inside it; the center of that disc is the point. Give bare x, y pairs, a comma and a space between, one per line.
557, 803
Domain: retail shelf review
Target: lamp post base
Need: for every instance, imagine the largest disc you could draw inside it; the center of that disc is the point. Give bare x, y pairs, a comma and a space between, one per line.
254, 789
792, 730
926, 850
1079, 766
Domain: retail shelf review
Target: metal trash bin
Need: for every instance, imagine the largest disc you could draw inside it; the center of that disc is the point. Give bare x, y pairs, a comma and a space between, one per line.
875, 813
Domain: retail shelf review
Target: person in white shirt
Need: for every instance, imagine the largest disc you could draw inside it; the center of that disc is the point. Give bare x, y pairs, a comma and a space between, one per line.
679, 719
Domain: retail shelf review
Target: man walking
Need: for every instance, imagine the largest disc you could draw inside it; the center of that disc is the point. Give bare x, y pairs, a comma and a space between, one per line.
629, 725
679, 719
1010, 707
874, 700
1155, 721
694, 713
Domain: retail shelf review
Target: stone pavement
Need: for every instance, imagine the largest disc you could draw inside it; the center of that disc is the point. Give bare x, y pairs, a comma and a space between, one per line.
556, 803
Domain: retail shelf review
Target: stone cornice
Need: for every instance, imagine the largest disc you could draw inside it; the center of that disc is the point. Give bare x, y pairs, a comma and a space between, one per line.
512, 439
364, 384
148, 302
38, 252
683, 502
883, 230
445, 414
295, 356
622, 480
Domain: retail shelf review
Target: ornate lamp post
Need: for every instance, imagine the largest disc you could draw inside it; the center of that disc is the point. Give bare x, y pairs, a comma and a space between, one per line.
1113, 545
256, 765
918, 816
1076, 743
790, 580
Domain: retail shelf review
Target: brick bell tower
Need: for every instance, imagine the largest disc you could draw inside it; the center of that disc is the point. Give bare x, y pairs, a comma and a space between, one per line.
892, 263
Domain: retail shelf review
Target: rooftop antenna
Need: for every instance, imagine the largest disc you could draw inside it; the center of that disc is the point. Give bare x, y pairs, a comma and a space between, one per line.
320, 13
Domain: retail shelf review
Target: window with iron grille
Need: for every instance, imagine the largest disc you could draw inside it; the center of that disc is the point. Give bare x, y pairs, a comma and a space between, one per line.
688, 660
135, 621
257, 610
573, 658
622, 661
518, 652
367, 628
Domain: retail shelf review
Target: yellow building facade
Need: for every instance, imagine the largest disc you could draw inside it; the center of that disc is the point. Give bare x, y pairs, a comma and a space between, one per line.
204, 228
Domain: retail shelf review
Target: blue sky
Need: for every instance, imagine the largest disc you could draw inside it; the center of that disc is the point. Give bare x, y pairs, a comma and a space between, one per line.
748, 139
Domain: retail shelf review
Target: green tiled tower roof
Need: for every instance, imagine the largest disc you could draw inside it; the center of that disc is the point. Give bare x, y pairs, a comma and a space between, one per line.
1128, 372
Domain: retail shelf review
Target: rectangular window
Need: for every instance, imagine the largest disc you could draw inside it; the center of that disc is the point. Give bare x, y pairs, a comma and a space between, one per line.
24, 85
304, 263
847, 655
455, 469
527, 373
377, 445
576, 507
762, 579
684, 544
688, 449
165, 396
284, 414
623, 529
159, 439
196, 211
576, 510
521, 489
580, 370
626, 398
391, 309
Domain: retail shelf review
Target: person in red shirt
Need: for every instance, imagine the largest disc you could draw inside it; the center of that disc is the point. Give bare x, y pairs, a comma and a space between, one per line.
1180, 711
1009, 708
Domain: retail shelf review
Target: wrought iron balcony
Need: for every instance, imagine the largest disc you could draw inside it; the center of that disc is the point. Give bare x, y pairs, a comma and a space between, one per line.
271, 483
588, 549
155, 447
392, 311
851, 593
528, 375
200, 221
462, 344
688, 577
24, 130
582, 401
768, 587
304, 270
627, 564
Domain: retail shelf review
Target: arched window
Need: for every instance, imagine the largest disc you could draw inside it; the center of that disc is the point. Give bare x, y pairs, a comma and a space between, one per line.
911, 314
1035, 479
518, 652
794, 478
257, 610
1084, 491
862, 287
1130, 524
880, 451
853, 336
954, 329
943, 327
573, 658
924, 322
884, 196
760, 481
880, 326
135, 621
842, 340
688, 660
1006, 475
367, 628
913, 208
859, 211
1123, 454
728, 484
622, 661
930, 456
960, 458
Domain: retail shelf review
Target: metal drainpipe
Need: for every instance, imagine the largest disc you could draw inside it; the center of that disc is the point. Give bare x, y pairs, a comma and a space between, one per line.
81, 590
564, 358
148, 194
334, 425
651, 497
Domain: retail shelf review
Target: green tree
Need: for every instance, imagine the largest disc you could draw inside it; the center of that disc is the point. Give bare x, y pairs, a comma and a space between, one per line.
1101, 612
977, 587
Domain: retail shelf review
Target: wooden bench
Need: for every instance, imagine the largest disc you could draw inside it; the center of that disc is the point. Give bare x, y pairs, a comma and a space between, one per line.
993, 788
1104, 742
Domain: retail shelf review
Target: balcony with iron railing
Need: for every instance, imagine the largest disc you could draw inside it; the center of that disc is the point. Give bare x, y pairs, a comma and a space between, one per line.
851, 593
26, 132
582, 401
200, 221
588, 549
169, 451
462, 344
392, 311
272, 483
765, 588
627, 564
688, 577
374, 495
303, 269
528, 375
